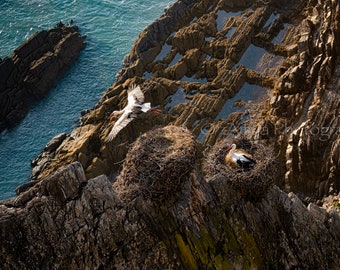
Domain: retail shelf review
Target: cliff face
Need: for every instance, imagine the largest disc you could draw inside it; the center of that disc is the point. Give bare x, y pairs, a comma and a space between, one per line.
304, 106
164, 200
161, 213
33, 69
196, 52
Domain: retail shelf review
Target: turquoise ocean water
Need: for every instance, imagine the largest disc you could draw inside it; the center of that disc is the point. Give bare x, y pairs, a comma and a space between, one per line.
111, 27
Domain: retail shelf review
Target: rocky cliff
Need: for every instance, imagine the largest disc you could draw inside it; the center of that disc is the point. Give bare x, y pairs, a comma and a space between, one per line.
34, 68
161, 212
260, 74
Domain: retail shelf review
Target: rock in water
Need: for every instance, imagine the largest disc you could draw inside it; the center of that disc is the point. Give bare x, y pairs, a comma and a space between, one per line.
34, 68
173, 204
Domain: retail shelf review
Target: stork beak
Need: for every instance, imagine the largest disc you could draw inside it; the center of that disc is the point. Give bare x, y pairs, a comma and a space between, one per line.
157, 111
111, 116
228, 149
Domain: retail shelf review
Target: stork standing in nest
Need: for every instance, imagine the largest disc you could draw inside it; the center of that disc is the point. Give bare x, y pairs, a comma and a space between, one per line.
134, 107
239, 158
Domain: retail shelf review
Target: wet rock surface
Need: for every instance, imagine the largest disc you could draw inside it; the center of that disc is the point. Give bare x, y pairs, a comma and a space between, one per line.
34, 68
158, 196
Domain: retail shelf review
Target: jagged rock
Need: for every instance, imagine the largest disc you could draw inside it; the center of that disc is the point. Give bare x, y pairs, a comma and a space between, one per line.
206, 221
34, 68
88, 145
55, 143
305, 102
301, 82
171, 218
42, 161
188, 38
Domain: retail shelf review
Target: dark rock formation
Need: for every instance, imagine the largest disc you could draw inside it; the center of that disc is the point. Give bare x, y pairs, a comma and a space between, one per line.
173, 203
161, 214
304, 106
34, 68
42, 161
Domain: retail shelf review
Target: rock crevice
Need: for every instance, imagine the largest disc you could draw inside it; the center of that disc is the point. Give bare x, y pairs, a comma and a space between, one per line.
160, 195
153, 218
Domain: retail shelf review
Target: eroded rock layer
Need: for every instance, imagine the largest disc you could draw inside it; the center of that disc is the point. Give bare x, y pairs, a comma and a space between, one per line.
200, 56
263, 74
161, 213
34, 68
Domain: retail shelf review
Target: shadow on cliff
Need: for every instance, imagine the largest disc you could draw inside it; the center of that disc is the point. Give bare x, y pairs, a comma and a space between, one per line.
162, 213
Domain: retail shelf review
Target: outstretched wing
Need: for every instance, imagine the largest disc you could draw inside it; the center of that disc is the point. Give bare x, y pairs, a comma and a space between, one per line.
119, 125
135, 95
132, 109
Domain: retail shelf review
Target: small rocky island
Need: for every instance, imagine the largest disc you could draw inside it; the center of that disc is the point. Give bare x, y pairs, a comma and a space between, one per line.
160, 196
34, 68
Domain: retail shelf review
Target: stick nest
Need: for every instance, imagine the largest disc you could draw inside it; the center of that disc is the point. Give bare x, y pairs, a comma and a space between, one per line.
249, 184
157, 164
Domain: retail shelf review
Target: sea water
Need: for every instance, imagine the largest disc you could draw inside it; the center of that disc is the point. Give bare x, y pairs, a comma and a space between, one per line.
111, 26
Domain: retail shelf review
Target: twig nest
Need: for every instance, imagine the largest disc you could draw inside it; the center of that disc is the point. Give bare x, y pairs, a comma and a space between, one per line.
248, 184
157, 164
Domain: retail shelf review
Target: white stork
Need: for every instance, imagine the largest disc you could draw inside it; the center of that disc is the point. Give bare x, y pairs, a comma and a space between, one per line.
239, 157
134, 107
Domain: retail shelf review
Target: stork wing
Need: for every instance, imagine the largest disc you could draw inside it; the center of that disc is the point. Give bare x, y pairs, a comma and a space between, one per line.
250, 159
119, 125
135, 95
